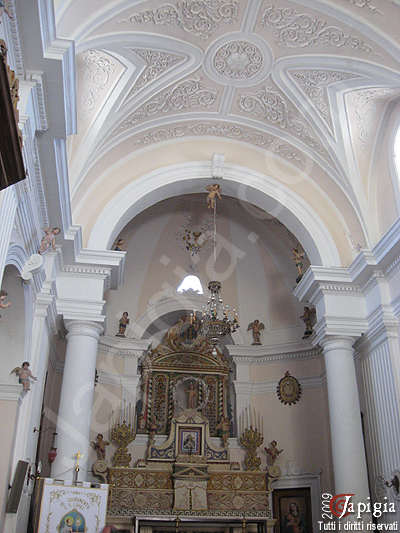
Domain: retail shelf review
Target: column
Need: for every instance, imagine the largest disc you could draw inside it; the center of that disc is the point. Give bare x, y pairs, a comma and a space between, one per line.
348, 452
75, 411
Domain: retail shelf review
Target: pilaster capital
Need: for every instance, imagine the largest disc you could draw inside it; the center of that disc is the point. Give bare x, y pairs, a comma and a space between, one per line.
83, 328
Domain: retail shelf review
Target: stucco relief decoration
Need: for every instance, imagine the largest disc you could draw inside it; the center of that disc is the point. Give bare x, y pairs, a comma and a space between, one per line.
367, 4
199, 17
314, 84
270, 105
184, 96
238, 60
157, 63
364, 107
97, 73
293, 29
227, 130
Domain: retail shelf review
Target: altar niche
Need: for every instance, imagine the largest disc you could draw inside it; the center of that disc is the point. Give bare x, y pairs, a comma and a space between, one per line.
183, 372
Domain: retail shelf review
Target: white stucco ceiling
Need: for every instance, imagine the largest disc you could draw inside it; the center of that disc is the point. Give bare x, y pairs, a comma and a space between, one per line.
305, 81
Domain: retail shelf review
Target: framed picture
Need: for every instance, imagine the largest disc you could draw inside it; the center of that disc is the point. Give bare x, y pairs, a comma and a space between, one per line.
292, 510
189, 440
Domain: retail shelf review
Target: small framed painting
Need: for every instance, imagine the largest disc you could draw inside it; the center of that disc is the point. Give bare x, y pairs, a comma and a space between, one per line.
292, 510
189, 440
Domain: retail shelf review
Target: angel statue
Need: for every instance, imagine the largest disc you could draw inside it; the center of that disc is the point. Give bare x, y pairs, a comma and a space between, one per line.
49, 239
25, 375
256, 327
214, 191
272, 452
309, 317
100, 447
3, 298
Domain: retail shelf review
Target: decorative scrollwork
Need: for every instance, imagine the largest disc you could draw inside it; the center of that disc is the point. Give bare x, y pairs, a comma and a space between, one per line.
200, 17
238, 60
271, 105
293, 29
98, 69
185, 95
366, 3
156, 64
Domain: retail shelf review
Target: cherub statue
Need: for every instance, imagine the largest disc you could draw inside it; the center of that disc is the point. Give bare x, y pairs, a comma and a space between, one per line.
298, 257
256, 327
100, 447
123, 322
3, 298
49, 239
119, 245
225, 426
214, 191
4, 8
25, 375
272, 452
308, 317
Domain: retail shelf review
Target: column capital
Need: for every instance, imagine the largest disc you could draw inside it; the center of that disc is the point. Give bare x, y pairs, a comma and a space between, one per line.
336, 342
84, 328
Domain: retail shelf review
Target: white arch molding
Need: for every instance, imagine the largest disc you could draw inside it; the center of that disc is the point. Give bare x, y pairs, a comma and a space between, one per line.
239, 182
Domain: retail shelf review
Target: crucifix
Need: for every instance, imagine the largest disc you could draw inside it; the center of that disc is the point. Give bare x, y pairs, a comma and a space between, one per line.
77, 456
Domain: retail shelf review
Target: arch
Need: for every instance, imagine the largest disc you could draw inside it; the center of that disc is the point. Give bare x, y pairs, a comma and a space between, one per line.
239, 182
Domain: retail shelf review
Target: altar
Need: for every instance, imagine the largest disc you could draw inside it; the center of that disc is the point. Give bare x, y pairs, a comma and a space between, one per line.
185, 480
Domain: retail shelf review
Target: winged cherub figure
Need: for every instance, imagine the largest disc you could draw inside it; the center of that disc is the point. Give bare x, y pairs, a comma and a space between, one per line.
256, 327
214, 191
48, 239
4, 8
25, 375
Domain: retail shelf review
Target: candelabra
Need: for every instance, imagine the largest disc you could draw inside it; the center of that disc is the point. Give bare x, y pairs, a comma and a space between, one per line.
122, 433
218, 319
251, 437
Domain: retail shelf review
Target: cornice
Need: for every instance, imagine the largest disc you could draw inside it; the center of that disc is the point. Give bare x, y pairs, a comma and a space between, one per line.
267, 387
12, 35
118, 380
123, 346
343, 326
383, 324
10, 392
263, 354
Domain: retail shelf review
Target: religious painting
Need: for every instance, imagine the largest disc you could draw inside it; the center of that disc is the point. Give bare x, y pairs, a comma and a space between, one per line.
292, 510
72, 522
189, 441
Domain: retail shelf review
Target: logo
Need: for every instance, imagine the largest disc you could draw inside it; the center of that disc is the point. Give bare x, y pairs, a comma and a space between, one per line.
339, 505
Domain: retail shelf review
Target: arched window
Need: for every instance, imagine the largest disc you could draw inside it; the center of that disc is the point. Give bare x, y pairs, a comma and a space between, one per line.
190, 283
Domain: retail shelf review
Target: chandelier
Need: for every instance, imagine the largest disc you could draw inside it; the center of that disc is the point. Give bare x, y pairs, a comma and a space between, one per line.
217, 318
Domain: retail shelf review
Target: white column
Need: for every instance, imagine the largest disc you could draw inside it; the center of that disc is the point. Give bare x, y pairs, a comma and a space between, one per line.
349, 464
75, 411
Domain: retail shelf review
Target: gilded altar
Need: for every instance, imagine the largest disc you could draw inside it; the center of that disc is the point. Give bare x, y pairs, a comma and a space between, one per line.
185, 415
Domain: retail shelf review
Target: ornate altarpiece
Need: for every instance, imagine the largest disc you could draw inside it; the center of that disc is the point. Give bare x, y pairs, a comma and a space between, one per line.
184, 371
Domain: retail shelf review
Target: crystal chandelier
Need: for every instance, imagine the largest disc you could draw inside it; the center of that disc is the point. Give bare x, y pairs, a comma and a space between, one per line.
217, 319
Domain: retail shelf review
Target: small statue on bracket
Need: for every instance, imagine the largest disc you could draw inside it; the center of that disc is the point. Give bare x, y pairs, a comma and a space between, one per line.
49, 239
272, 452
225, 426
4, 8
119, 245
309, 316
256, 327
24, 375
3, 298
214, 191
298, 257
123, 322
100, 447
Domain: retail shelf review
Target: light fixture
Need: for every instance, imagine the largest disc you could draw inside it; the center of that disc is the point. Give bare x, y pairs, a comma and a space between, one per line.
218, 319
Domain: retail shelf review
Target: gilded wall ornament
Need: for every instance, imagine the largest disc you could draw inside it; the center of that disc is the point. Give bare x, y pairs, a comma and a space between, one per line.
288, 389
293, 30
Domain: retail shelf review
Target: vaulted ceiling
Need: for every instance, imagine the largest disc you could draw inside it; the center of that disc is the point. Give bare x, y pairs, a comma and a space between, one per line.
313, 84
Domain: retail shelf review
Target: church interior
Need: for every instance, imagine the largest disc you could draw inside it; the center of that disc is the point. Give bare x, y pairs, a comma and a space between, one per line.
199, 265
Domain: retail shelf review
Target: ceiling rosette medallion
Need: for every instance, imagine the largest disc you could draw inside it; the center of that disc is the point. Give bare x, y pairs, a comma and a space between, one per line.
238, 59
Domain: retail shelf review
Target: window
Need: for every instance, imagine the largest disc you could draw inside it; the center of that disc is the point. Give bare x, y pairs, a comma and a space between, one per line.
190, 283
